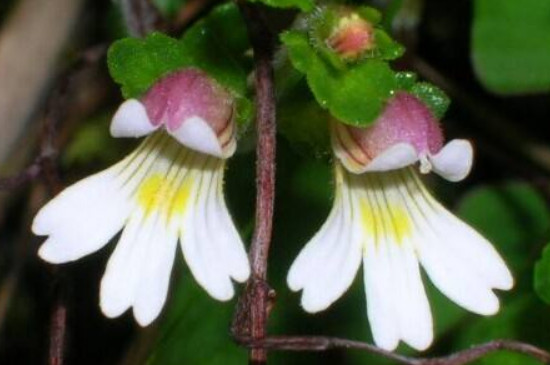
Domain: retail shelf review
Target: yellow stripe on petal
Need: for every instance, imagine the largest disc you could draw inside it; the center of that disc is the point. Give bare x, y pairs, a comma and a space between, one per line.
159, 193
183, 194
392, 218
152, 192
368, 221
401, 222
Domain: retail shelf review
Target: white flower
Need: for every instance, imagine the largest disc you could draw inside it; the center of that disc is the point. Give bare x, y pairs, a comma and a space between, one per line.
390, 222
160, 194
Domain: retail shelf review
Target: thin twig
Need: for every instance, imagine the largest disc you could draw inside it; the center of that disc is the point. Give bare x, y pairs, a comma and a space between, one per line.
189, 13
140, 16
55, 112
55, 107
319, 343
29, 174
253, 308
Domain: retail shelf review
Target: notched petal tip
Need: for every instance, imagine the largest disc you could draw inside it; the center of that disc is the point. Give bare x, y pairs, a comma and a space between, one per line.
454, 161
313, 304
196, 134
145, 318
52, 254
222, 295
131, 120
242, 274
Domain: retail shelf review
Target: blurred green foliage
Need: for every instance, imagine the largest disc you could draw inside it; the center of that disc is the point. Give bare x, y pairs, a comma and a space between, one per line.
511, 45
542, 276
169, 7
195, 329
304, 5
515, 218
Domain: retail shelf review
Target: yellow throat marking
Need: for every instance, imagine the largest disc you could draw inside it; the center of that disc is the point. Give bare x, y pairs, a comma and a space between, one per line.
392, 217
157, 193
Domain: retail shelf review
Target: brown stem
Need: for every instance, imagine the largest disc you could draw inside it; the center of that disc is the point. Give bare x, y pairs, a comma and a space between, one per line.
58, 325
254, 305
29, 174
43, 165
140, 16
319, 343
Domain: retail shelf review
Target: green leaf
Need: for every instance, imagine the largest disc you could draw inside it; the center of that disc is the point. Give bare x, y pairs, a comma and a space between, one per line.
136, 64
304, 5
355, 95
433, 97
511, 45
195, 330
542, 276
512, 216
405, 80
216, 45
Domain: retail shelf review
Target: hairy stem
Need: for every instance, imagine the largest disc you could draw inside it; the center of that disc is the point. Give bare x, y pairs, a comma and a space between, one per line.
257, 295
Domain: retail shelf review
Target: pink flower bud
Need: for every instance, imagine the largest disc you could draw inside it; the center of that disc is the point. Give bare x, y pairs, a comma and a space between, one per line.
405, 132
190, 106
351, 37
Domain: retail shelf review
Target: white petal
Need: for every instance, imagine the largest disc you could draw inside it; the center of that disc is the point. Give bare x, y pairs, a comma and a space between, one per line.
196, 134
454, 161
381, 299
397, 156
398, 307
82, 218
204, 259
223, 232
328, 264
462, 264
131, 120
122, 276
155, 275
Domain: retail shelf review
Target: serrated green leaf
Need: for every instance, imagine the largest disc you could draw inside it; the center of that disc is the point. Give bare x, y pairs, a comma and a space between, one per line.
511, 45
216, 45
304, 5
386, 48
405, 80
136, 64
433, 97
355, 95
542, 276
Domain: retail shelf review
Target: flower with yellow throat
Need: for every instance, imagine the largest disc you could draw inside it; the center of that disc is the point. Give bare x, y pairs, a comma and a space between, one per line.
384, 217
168, 190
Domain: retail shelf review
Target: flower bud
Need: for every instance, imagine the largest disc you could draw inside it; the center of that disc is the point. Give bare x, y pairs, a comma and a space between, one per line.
405, 132
351, 37
190, 105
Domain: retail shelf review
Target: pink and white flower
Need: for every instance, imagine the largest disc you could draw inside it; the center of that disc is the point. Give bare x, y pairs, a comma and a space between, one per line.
384, 217
168, 190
